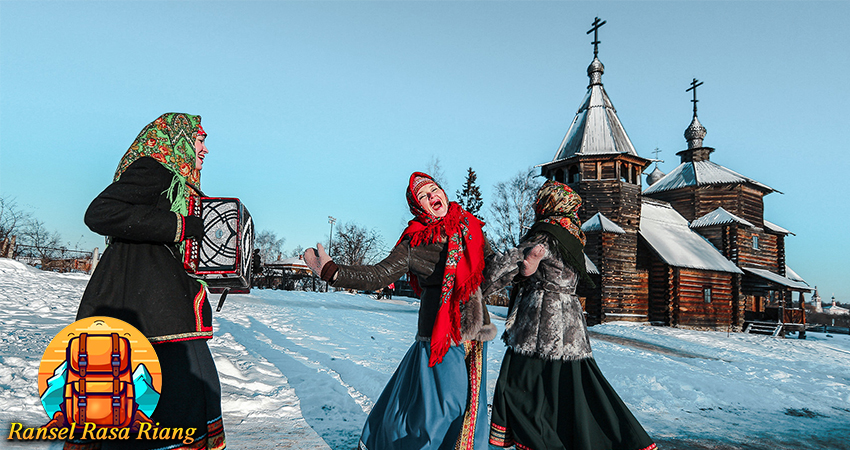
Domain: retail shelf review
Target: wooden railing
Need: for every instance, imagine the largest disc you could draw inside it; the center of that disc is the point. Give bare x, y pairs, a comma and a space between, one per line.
794, 315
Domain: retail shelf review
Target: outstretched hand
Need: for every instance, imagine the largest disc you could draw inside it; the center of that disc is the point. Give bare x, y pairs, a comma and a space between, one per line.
532, 260
316, 258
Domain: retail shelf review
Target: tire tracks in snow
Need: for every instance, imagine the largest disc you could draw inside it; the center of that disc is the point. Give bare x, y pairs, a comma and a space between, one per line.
333, 408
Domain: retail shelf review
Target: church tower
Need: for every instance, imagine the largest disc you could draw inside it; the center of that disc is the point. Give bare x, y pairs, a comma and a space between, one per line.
598, 161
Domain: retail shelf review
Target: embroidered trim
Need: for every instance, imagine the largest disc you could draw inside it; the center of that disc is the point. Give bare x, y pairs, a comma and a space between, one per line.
181, 337
199, 315
361, 445
474, 358
178, 235
501, 436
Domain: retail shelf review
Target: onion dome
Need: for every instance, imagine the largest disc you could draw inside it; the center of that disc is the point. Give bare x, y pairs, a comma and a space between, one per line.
656, 175
695, 133
595, 71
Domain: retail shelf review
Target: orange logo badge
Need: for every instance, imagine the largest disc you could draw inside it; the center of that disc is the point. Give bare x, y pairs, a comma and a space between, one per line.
100, 377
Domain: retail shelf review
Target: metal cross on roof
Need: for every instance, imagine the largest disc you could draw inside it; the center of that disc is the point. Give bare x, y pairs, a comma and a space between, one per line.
694, 85
657, 151
595, 30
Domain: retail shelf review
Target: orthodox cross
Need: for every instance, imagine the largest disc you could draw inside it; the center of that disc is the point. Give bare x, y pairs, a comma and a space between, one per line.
595, 30
657, 151
694, 85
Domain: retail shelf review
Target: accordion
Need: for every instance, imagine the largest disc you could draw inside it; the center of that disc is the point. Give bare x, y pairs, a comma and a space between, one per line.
223, 257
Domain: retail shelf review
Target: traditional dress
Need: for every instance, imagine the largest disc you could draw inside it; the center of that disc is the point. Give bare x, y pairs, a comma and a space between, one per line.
437, 398
141, 280
550, 394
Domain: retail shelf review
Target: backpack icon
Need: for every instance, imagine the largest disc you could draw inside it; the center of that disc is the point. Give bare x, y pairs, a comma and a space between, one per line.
99, 388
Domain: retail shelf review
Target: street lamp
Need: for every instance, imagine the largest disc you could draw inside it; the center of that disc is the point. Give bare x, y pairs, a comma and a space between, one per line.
331, 221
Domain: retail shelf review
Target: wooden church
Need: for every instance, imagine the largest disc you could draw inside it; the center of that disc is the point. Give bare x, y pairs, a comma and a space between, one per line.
693, 249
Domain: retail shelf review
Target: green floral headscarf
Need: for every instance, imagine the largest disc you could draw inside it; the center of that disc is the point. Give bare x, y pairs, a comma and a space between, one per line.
170, 139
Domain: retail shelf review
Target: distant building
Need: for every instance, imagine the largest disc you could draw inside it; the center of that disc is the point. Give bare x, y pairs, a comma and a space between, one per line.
693, 249
836, 310
817, 301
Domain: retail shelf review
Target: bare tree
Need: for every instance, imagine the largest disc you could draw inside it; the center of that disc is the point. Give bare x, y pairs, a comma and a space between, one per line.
13, 220
43, 243
513, 209
271, 247
297, 251
355, 245
436, 171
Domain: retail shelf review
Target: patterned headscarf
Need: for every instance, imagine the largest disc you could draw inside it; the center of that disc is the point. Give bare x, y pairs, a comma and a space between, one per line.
556, 214
464, 261
170, 139
557, 204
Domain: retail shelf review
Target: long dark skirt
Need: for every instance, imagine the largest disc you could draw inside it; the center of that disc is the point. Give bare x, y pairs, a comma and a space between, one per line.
542, 404
190, 398
442, 407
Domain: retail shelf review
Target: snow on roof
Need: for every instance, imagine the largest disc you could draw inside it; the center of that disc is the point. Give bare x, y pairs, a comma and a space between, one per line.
701, 173
791, 275
718, 217
591, 268
776, 228
601, 223
596, 129
668, 234
778, 279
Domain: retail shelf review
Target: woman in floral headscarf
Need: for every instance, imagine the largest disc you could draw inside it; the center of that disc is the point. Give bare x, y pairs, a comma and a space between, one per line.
437, 397
550, 394
141, 279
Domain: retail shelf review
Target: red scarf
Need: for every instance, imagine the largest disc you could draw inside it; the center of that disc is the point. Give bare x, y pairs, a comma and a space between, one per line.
464, 264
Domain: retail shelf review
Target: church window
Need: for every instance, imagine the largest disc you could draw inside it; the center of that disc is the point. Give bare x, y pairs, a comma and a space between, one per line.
559, 176
755, 242
573, 175
706, 294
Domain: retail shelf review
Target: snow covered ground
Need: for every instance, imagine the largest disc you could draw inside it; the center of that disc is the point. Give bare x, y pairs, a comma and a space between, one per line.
302, 370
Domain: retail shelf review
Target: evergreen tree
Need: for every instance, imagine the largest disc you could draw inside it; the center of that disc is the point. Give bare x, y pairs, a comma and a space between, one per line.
470, 197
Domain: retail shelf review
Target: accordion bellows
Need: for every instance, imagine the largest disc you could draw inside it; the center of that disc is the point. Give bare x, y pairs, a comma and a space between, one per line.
223, 257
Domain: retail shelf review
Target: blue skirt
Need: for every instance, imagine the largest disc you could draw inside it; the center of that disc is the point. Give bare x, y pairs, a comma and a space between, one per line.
432, 407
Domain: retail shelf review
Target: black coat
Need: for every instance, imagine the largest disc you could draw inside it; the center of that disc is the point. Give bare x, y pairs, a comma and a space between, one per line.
140, 278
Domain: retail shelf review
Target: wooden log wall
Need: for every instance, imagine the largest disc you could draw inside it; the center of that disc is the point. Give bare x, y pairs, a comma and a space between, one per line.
709, 198
682, 200
739, 302
692, 309
768, 254
591, 299
752, 205
692, 202
624, 288
714, 235
618, 201
593, 296
780, 254
658, 294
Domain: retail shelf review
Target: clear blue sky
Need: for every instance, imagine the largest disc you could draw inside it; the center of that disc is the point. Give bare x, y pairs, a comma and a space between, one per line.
325, 108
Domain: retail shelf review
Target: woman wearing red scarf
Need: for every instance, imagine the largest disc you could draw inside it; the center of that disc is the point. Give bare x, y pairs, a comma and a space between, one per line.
437, 397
